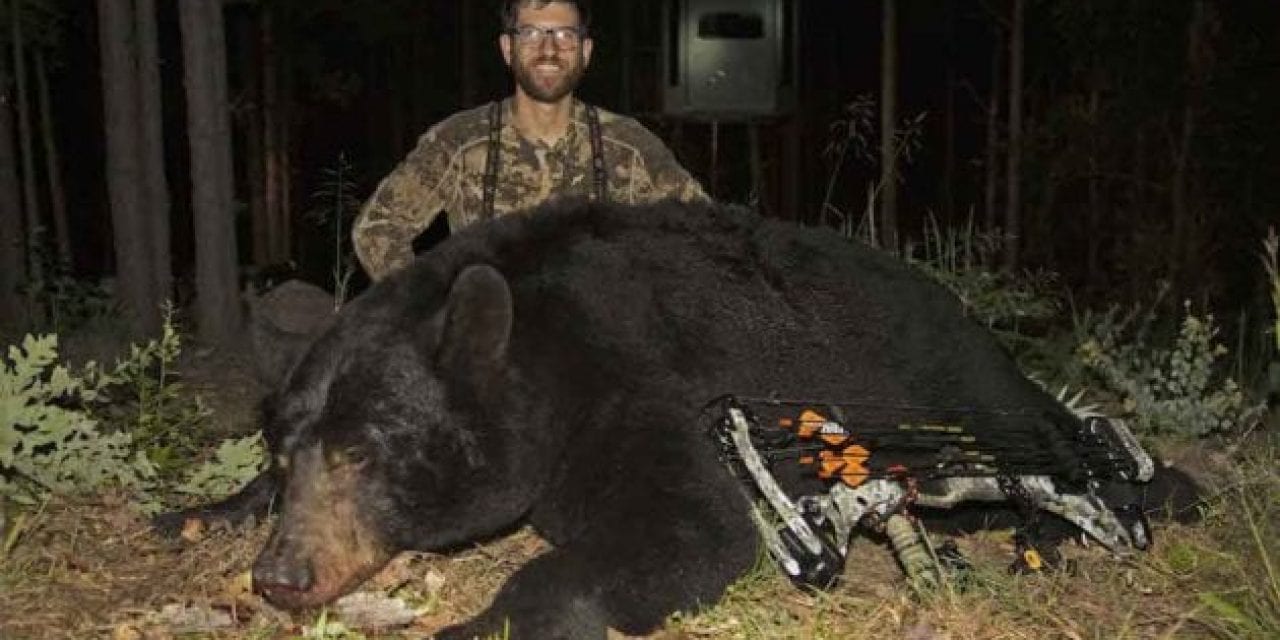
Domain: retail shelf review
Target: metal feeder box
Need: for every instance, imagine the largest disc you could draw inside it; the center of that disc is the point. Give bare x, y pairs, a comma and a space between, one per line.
729, 59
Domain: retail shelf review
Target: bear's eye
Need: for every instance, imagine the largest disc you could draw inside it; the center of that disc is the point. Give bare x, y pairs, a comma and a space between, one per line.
346, 456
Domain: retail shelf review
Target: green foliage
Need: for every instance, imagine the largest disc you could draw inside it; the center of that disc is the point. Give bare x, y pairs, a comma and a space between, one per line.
1175, 388
235, 463
1271, 246
49, 442
152, 405
1243, 600
67, 302
131, 427
962, 260
336, 206
326, 629
856, 133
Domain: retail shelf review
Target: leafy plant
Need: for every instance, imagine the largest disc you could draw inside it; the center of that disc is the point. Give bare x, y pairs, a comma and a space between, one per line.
1271, 247
152, 405
66, 302
963, 260
855, 133
1173, 388
132, 427
235, 463
49, 441
336, 206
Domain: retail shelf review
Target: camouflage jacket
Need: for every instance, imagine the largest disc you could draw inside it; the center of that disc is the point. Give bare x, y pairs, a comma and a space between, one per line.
446, 173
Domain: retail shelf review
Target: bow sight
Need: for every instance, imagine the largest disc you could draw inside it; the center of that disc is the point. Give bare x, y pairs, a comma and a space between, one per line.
816, 471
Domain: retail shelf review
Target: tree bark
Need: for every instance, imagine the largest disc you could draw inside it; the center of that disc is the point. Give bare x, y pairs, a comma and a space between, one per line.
1093, 233
888, 131
1199, 59
467, 44
52, 164
1013, 213
155, 185
992, 164
30, 203
130, 231
13, 269
949, 123
212, 187
271, 140
254, 133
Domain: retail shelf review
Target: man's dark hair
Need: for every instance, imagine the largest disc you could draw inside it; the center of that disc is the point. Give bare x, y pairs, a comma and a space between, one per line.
511, 11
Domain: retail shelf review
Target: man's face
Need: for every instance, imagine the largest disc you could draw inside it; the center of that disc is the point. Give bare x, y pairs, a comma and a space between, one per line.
546, 67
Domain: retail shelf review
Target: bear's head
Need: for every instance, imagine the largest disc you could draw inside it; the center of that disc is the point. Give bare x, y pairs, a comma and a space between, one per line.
393, 433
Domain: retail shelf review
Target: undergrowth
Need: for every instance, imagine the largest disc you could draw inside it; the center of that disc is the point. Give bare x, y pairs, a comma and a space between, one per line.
1171, 386
131, 426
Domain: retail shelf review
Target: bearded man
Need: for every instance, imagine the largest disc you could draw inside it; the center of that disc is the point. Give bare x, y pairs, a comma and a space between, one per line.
508, 156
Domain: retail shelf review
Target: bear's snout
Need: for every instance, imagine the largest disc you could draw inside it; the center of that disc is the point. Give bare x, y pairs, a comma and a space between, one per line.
281, 578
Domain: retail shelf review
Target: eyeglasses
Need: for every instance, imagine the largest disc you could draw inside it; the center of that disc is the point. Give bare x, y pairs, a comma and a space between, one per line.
562, 37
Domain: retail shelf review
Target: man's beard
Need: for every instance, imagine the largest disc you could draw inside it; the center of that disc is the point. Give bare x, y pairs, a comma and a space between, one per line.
526, 76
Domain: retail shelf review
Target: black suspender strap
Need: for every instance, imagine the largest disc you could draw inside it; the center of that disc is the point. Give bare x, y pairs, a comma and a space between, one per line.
492, 160
600, 178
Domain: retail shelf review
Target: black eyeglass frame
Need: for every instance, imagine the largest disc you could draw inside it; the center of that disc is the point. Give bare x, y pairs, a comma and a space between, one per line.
534, 36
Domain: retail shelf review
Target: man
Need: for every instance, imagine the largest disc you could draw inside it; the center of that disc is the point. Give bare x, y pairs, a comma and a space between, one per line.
536, 145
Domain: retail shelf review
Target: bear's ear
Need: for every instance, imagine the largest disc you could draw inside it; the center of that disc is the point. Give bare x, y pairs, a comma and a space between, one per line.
474, 326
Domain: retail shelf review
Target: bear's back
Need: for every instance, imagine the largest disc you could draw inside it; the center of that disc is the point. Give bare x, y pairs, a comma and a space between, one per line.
718, 300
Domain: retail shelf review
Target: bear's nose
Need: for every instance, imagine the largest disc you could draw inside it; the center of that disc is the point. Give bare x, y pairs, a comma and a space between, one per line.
276, 575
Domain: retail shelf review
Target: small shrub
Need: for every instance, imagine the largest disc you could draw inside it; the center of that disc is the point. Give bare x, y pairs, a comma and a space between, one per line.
151, 404
53, 439
962, 260
1174, 389
336, 207
49, 441
234, 464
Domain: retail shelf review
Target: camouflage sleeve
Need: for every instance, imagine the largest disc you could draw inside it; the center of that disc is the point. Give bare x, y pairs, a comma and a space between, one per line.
405, 203
661, 176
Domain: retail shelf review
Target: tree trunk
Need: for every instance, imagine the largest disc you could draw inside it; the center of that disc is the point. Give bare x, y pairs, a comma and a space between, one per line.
212, 187
254, 133
626, 16
13, 269
52, 164
466, 41
285, 148
1199, 59
130, 231
1013, 213
30, 203
1093, 232
271, 145
888, 133
155, 185
992, 165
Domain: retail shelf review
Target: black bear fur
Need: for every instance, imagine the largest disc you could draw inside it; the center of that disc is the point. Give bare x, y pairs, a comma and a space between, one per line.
550, 369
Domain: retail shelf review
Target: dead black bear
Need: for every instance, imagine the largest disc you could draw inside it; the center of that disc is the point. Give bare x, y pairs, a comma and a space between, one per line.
556, 370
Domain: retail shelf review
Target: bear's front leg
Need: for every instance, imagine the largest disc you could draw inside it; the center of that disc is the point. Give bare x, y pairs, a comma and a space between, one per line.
629, 571
254, 499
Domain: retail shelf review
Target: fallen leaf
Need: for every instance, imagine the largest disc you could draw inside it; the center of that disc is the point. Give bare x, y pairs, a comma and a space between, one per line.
126, 632
193, 529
